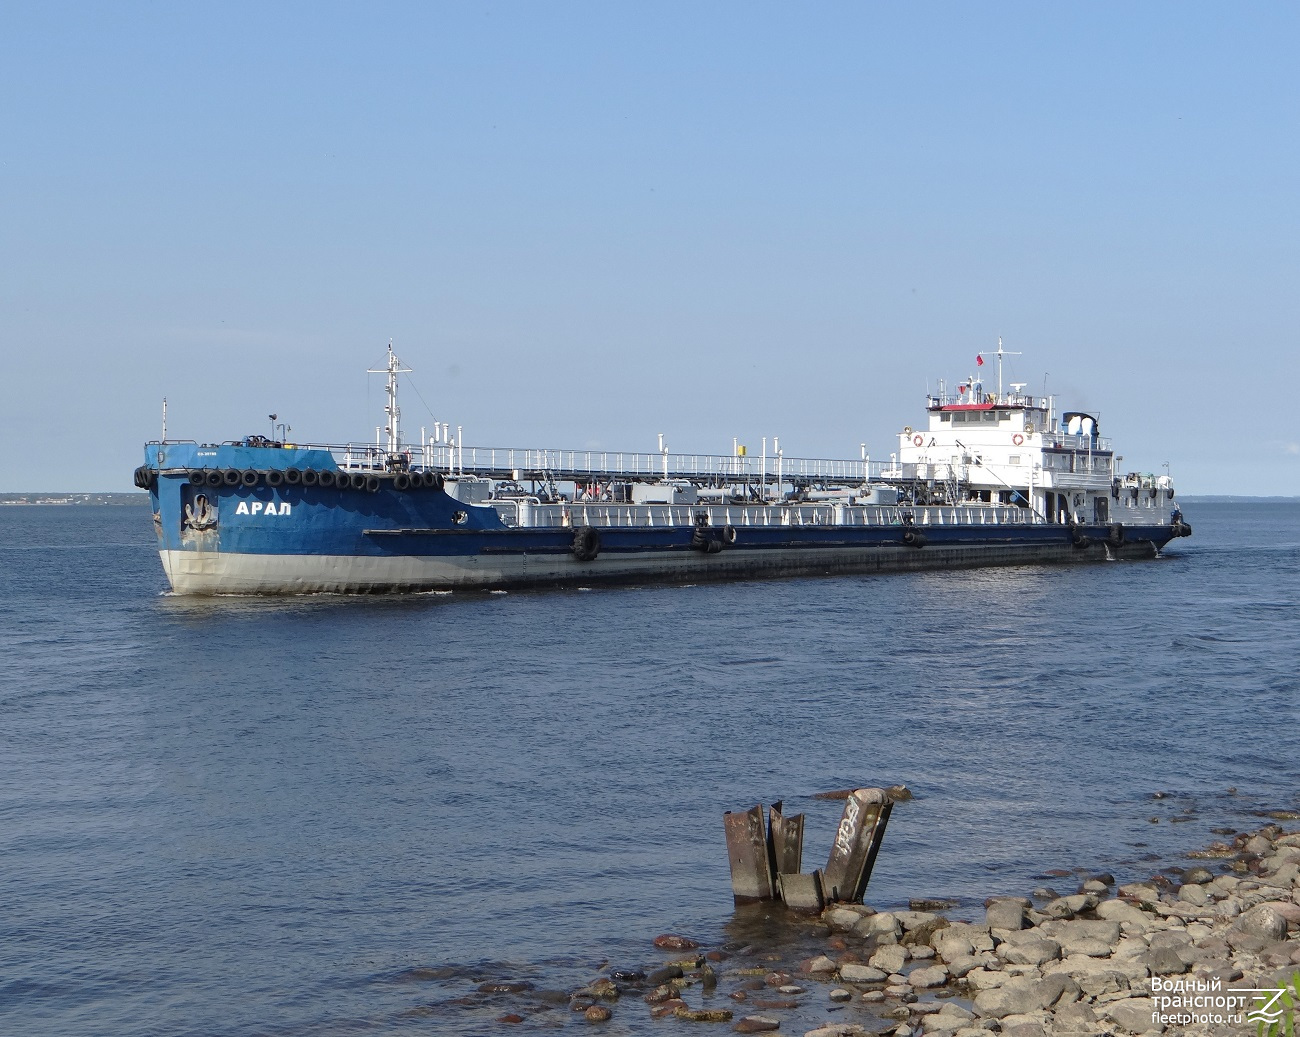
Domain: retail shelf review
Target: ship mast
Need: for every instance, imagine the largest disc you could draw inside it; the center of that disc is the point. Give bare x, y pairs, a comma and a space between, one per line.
1001, 353
391, 410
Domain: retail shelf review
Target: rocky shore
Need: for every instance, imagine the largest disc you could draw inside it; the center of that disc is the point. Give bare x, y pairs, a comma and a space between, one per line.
1094, 960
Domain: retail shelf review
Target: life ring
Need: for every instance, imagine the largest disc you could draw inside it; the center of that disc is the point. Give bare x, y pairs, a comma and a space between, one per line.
918, 439
1017, 439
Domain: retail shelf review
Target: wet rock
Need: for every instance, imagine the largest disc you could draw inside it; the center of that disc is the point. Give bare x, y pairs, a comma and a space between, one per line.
931, 904
818, 965
667, 1008
777, 979
507, 986
1006, 913
673, 942
661, 993
1198, 875
510, 1018
664, 974
776, 1005
840, 994
1094, 886
873, 997
704, 1015
597, 1014
602, 989
791, 989
862, 974
756, 1024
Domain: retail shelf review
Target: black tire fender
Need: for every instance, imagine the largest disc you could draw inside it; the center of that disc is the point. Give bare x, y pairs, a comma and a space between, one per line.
586, 543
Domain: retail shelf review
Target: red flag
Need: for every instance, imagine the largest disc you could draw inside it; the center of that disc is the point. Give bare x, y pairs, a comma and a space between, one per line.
979, 360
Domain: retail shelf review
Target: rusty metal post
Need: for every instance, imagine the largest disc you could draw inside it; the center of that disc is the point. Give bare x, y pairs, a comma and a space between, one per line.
802, 892
857, 841
751, 868
785, 839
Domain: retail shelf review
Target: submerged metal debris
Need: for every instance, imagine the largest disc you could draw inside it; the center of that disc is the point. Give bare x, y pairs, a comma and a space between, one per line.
766, 860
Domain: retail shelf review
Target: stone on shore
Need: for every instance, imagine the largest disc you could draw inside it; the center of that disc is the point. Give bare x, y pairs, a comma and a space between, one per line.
756, 1024
1134, 1014
923, 979
890, 958
1006, 913
854, 973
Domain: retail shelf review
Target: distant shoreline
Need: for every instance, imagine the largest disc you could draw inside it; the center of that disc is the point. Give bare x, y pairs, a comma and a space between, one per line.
1229, 498
69, 499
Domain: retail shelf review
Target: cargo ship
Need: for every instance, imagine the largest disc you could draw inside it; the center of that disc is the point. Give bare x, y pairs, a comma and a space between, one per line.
990, 477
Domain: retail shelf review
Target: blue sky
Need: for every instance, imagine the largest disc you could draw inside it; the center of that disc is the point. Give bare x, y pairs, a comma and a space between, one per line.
585, 224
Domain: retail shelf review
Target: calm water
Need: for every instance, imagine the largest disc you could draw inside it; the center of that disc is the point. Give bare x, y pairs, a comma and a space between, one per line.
244, 817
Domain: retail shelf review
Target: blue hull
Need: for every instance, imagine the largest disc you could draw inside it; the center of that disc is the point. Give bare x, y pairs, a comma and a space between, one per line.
293, 538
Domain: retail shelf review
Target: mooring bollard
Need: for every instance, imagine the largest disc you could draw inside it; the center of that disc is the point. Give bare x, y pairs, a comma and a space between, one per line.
857, 841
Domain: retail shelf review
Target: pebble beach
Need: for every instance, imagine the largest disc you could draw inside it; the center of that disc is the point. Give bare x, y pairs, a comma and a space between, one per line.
1078, 956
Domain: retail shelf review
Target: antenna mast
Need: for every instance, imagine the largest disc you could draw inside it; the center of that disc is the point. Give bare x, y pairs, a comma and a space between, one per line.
1001, 353
391, 410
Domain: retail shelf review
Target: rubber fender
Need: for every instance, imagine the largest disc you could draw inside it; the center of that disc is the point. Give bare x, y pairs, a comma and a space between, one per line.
249, 477
198, 477
310, 477
401, 481
729, 534
357, 481
1115, 535
914, 537
372, 483
292, 476
213, 477
712, 547
325, 478
586, 543
274, 477
1082, 542
437, 482
230, 476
